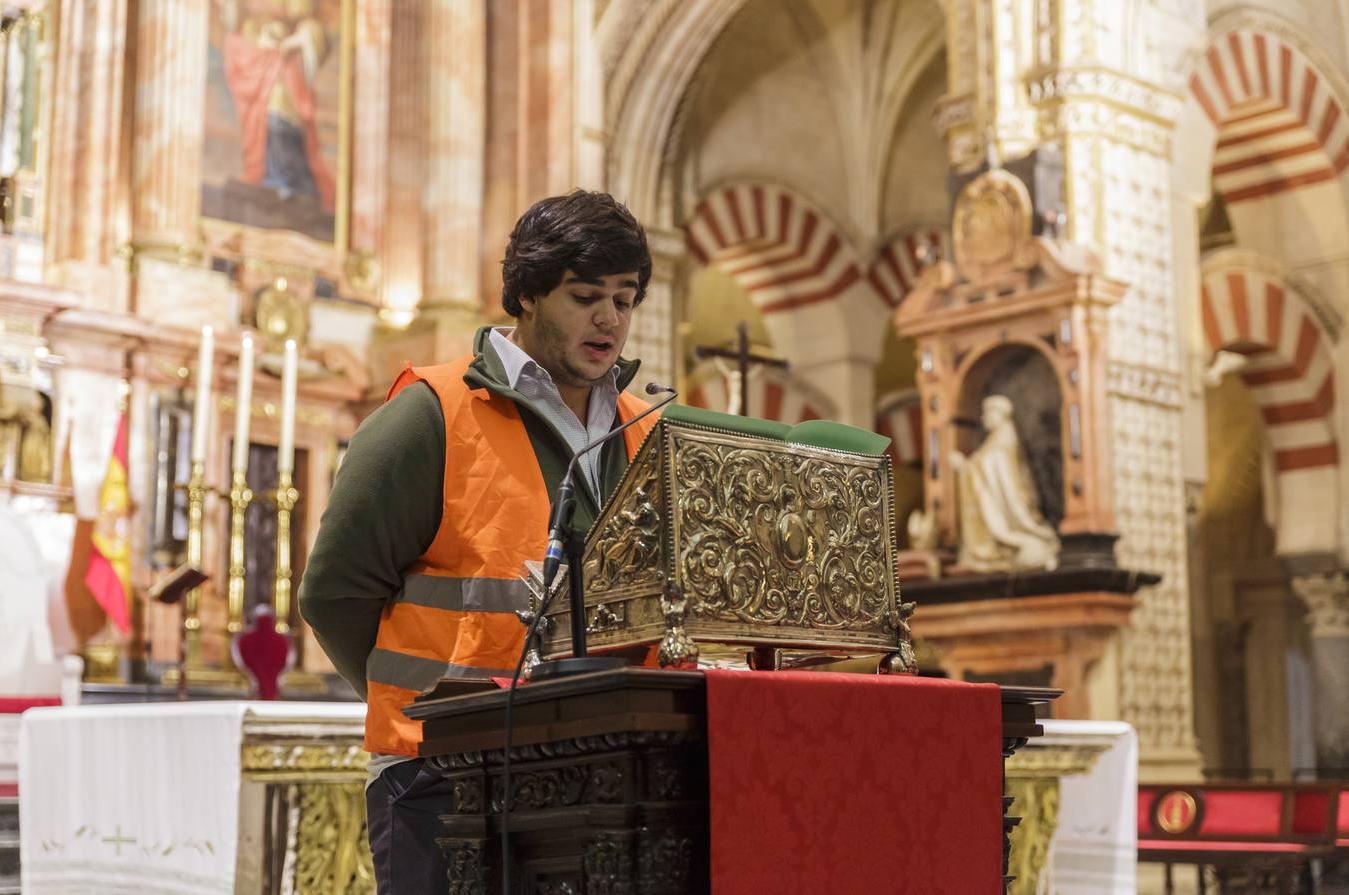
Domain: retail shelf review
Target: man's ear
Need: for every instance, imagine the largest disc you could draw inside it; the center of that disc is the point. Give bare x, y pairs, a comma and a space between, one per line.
527, 305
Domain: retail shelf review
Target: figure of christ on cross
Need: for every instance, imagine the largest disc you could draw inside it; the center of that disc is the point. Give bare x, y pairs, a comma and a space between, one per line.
744, 359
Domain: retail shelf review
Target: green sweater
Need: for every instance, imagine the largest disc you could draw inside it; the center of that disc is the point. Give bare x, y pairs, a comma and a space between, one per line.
385, 507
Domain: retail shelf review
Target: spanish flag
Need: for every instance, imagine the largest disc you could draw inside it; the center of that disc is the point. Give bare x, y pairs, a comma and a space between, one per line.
109, 575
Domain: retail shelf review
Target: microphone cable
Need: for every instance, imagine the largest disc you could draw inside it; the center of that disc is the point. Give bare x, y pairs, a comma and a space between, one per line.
545, 602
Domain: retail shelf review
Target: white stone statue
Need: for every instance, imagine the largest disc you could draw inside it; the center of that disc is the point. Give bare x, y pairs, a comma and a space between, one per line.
1001, 528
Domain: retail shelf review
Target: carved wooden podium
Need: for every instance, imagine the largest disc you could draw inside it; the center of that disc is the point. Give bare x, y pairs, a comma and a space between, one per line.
608, 782
749, 535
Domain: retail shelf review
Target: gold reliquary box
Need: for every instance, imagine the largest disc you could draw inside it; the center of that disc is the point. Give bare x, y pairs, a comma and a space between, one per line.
735, 531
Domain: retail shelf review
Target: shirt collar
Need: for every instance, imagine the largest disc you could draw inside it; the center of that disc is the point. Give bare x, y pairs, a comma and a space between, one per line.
518, 363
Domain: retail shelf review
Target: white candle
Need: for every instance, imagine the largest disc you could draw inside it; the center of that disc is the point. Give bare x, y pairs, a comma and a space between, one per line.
201, 413
286, 461
245, 406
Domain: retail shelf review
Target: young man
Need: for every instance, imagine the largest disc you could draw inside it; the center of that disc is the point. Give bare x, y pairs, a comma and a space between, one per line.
444, 494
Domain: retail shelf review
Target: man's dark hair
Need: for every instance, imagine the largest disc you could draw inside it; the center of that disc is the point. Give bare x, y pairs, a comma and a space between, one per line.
589, 233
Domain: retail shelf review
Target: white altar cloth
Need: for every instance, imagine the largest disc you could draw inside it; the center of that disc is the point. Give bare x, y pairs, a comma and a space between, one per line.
140, 798
1094, 851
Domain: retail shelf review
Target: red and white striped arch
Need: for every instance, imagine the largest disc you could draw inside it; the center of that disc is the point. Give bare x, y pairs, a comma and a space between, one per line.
773, 394
899, 417
778, 247
895, 271
1290, 373
1280, 124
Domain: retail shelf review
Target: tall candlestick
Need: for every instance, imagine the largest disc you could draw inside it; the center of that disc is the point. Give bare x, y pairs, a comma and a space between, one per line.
201, 413
243, 411
285, 463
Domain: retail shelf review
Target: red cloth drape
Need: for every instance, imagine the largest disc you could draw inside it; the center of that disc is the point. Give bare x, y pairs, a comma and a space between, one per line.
842, 783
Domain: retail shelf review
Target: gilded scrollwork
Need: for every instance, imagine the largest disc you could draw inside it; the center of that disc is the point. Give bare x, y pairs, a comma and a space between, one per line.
332, 851
1036, 800
626, 551
782, 538
304, 760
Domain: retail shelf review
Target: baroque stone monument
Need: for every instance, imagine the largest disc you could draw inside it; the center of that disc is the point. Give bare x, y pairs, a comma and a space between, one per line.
1011, 339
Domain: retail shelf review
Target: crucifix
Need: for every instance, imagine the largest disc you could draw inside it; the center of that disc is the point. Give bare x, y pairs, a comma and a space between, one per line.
743, 360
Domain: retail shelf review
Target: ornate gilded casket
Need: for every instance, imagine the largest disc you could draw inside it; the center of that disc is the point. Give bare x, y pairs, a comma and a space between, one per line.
727, 530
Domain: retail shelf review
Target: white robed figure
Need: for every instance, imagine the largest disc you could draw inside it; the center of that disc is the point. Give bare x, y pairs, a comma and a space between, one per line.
1001, 527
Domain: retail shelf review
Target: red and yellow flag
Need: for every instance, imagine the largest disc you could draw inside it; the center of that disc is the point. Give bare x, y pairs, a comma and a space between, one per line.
109, 575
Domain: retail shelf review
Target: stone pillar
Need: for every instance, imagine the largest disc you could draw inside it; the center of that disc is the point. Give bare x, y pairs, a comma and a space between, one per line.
531, 132
1327, 599
170, 44
1112, 128
87, 214
369, 145
456, 116
455, 32
166, 156
404, 241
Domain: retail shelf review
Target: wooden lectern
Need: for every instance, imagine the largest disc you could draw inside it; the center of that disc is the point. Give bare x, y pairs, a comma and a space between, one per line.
737, 533
609, 781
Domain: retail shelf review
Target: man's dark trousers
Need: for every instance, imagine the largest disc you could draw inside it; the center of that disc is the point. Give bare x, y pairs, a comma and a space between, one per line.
402, 810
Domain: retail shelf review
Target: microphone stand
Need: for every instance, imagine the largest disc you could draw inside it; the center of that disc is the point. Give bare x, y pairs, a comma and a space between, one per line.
573, 547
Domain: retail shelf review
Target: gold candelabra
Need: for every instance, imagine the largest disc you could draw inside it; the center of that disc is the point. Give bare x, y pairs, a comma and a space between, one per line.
196, 507
240, 497
286, 498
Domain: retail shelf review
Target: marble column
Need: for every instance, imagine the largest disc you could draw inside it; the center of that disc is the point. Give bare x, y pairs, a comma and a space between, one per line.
166, 149
87, 217
1108, 114
369, 146
455, 32
531, 133
404, 240
1327, 600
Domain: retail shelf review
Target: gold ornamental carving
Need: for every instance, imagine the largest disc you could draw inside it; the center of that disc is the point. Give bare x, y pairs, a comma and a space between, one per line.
1036, 802
1051, 760
281, 314
304, 760
991, 227
781, 539
716, 536
332, 850
627, 551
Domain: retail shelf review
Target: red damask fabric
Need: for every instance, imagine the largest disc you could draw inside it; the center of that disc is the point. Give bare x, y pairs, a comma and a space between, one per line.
842, 783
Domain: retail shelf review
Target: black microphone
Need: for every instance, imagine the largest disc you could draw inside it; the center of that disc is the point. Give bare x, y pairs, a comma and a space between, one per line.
566, 501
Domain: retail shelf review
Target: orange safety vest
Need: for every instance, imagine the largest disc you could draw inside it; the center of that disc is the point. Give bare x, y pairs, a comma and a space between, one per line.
455, 614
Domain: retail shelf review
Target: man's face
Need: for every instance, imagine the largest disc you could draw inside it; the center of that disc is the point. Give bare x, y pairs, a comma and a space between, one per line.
576, 331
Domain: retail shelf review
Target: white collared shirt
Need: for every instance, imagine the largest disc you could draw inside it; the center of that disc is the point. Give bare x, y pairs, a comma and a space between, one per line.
532, 381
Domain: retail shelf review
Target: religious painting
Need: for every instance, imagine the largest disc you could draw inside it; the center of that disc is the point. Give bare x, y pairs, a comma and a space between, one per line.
273, 147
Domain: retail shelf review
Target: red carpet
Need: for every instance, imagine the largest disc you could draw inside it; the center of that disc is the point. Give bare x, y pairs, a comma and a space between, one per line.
842, 783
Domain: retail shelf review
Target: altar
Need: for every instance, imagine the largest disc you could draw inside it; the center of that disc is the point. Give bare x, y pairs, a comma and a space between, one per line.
209, 797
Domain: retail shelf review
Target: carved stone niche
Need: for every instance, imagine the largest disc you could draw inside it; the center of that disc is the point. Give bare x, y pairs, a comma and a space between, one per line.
1023, 316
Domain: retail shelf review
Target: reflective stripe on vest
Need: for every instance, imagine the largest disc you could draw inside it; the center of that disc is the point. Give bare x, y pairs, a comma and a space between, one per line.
464, 594
455, 615
414, 673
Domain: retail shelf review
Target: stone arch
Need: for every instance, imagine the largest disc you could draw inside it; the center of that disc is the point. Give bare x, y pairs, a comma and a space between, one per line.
896, 268
1280, 121
778, 246
650, 53
773, 394
1290, 371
